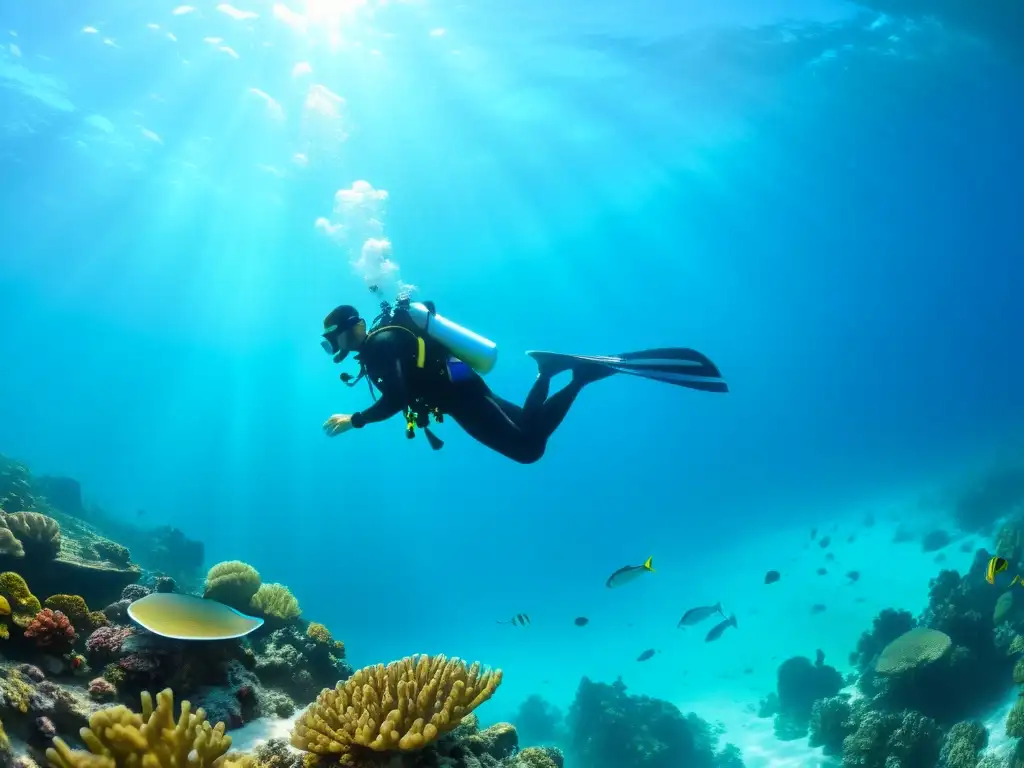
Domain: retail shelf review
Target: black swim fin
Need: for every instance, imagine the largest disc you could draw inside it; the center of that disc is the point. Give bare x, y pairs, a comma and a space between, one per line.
672, 365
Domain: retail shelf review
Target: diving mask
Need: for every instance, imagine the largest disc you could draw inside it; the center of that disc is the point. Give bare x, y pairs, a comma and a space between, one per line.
333, 339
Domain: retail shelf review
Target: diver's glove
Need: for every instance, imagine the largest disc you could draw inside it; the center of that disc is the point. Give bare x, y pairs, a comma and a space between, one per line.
337, 424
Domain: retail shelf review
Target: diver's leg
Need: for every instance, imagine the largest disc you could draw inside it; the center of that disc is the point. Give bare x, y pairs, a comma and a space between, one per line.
484, 419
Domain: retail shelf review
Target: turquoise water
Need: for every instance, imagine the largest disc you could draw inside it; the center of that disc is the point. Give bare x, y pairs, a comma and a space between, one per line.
823, 199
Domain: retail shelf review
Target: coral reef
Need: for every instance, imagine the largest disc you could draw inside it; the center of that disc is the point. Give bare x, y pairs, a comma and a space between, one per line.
608, 728
402, 706
233, 583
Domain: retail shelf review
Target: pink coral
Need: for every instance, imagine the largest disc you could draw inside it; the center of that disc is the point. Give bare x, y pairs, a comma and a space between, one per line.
52, 630
138, 664
107, 641
102, 690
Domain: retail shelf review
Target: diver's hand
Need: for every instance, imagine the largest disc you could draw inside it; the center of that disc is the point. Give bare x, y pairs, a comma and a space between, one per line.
337, 424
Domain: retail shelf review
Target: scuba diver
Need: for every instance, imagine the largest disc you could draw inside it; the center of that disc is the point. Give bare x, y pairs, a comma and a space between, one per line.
425, 366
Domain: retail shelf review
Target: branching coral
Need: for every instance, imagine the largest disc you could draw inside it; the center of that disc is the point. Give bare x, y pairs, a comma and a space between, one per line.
276, 601
52, 631
24, 605
233, 583
402, 706
117, 737
39, 534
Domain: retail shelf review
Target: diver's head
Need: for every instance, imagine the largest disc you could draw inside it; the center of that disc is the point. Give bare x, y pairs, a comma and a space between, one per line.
344, 331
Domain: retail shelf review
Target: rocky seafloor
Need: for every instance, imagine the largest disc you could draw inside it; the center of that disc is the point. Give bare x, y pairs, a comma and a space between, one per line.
76, 675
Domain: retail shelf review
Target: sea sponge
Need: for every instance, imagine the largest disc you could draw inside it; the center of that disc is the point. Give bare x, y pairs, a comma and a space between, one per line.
116, 737
402, 706
39, 534
112, 552
16, 691
276, 601
233, 583
916, 648
534, 757
23, 604
9, 544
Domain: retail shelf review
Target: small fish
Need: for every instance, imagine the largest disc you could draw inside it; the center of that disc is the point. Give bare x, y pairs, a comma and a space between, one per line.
771, 577
853, 576
186, 617
141, 513
646, 654
629, 573
940, 558
850, 539
996, 566
519, 620
581, 621
814, 533
719, 628
869, 520
825, 542
967, 546
822, 572
819, 657
830, 557
697, 615
818, 608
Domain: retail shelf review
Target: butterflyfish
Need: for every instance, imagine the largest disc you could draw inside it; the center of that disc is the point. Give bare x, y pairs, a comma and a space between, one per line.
519, 620
996, 566
186, 617
629, 573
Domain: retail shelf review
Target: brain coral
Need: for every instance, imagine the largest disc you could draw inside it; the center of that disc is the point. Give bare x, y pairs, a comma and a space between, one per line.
915, 648
402, 706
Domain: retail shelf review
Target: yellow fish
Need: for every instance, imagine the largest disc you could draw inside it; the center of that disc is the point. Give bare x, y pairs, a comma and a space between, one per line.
996, 566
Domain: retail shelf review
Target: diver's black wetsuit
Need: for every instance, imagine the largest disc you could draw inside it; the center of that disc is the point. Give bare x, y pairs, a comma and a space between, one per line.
520, 433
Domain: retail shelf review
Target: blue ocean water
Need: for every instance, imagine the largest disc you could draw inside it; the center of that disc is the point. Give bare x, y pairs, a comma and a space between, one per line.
823, 198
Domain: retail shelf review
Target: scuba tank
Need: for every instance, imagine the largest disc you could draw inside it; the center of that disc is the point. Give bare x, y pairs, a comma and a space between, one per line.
478, 353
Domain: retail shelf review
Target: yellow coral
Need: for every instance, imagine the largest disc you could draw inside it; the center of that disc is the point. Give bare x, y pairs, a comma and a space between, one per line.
75, 608
16, 691
5, 633
233, 583
276, 601
119, 738
318, 633
5, 607
39, 534
24, 605
402, 706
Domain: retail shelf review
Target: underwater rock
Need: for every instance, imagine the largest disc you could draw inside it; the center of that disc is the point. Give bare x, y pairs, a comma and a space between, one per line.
297, 664
539, 722
891, 740
660, 735
830, 724
800, 683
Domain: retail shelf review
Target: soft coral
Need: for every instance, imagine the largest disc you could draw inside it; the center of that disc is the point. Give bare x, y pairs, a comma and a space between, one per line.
52, 630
